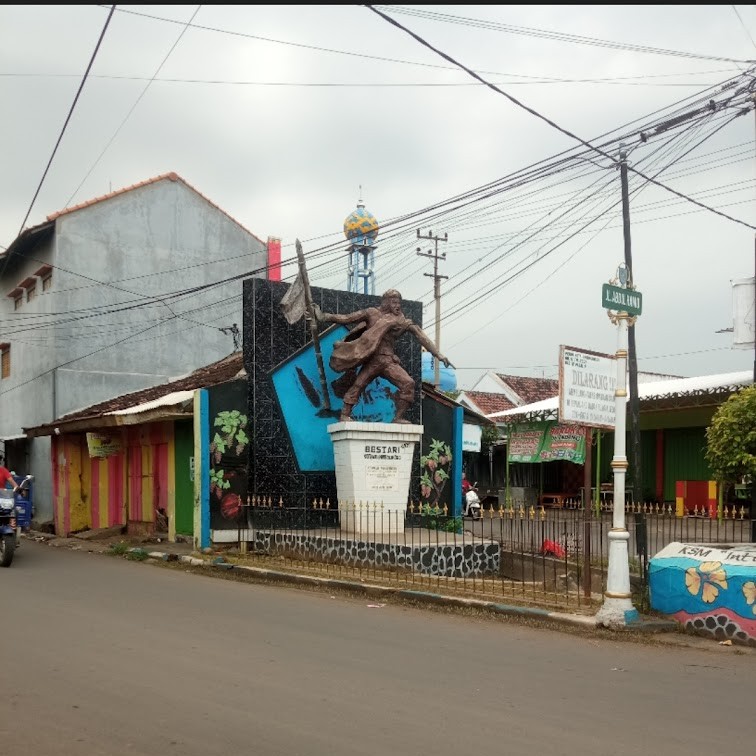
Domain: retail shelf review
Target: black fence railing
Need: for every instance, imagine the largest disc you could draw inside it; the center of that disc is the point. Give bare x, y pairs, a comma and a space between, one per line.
553, 557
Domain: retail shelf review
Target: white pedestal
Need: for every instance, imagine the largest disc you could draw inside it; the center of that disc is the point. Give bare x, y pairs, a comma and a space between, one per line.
373, 467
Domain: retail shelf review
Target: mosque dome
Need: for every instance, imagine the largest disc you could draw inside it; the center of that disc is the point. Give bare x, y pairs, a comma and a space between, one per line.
360, 226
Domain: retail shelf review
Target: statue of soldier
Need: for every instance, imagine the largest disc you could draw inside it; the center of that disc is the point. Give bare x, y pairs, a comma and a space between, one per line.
371, 346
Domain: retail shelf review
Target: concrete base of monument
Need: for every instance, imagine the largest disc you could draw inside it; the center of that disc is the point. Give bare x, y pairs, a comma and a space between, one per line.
373, 463
428, 552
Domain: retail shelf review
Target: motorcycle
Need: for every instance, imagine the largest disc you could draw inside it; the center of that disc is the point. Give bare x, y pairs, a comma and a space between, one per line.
472, 503
13, 518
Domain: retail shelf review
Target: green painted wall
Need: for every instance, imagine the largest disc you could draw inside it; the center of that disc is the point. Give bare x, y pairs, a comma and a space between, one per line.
648, 459
184, 435
684, 458
694, 417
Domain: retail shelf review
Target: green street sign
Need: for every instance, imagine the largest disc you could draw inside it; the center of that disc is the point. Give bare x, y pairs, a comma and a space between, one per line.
622, 300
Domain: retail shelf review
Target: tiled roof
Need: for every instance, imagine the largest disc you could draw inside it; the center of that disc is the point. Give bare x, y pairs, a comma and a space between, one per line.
210, 375
165, 176
429, 390
488, 402
531, 389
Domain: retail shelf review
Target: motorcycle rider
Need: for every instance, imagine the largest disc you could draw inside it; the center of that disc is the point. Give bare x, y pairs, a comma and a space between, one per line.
466, 485
6, 477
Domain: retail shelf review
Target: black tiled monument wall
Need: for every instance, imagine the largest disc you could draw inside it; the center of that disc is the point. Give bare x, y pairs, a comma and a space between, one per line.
268, 341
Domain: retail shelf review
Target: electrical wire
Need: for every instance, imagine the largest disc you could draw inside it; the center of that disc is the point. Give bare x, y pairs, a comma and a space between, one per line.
551, 35
497, 284
547, 120
133, 107
63, 130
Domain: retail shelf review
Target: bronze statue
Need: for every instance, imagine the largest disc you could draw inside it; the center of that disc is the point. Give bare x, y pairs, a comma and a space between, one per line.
371, 346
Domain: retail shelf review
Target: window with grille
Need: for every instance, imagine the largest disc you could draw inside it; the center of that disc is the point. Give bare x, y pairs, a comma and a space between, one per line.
5, 362
31, 292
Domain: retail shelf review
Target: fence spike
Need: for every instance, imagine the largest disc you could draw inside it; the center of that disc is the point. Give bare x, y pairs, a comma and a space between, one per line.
280, 501
522, 512
531, 512
742, 511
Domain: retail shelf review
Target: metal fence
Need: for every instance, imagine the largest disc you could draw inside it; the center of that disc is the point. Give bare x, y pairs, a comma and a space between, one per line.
549, 557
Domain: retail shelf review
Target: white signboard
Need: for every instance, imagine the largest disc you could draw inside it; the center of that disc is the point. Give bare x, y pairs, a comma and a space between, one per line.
471, 436
587, 381
744, 320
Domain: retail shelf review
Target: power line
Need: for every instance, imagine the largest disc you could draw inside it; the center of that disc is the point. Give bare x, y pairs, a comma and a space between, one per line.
133, 107
552, 35
742, 23
65, 125
547, 120
555, 364
634, 81
550, 223
404, 220
455, 313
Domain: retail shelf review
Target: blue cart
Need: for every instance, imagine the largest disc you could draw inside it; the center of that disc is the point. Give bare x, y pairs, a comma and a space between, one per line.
24, 503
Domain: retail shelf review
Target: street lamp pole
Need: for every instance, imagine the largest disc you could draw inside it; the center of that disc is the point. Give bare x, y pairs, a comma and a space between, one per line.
617, 609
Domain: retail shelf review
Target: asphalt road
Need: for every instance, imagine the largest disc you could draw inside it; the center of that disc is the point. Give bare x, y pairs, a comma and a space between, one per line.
105, 656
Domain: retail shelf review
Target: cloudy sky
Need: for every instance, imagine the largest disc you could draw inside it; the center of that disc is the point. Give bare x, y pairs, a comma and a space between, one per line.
279, 114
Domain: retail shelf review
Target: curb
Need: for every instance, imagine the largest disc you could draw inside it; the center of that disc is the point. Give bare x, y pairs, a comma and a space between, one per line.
508, 610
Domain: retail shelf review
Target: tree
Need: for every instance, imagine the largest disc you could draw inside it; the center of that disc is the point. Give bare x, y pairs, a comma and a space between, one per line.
489, 435
731, 438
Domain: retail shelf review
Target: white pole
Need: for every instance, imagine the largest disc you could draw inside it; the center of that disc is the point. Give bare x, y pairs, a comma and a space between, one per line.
618, 609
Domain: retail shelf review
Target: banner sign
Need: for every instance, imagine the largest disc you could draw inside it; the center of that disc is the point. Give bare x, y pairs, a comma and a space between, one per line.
587, 381
744, 321
103, 444
546, 442
471, 437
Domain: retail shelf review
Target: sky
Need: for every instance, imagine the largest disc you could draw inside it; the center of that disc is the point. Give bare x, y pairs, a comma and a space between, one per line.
285, 116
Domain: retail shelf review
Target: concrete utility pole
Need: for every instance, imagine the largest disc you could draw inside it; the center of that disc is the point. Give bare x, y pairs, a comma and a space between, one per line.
436, 292
632, 356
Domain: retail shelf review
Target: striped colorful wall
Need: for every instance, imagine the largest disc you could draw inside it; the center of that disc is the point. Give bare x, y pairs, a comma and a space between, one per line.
128, 488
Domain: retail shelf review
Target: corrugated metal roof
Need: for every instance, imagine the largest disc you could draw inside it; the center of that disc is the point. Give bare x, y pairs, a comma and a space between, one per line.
177, 397
651, 390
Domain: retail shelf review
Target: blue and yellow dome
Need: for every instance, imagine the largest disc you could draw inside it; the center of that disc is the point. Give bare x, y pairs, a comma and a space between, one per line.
360, 226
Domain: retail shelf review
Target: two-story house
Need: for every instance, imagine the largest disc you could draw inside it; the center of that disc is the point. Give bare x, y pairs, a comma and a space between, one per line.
125, 291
